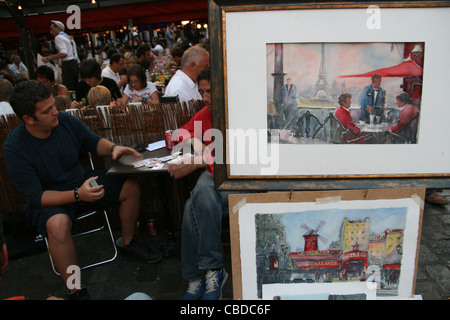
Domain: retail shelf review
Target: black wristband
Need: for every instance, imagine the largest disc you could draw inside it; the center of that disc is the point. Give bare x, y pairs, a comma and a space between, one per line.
112, 148
77, 197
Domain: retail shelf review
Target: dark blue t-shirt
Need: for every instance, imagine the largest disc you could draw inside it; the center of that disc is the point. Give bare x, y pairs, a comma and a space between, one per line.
36, 165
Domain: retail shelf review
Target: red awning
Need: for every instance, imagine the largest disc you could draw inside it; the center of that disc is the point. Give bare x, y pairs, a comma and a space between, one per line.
392, 266
405, 69
147, 13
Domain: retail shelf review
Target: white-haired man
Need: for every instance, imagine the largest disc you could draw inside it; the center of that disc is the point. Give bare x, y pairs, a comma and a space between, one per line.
184, 83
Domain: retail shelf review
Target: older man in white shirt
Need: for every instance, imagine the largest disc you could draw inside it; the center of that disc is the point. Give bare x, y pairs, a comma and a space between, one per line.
18, 67
116, 65
183, 83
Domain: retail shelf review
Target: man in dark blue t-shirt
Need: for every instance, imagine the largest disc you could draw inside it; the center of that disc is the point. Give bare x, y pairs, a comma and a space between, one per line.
42, 157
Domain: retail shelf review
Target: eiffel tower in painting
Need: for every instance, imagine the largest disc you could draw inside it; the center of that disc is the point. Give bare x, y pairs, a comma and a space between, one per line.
322, 90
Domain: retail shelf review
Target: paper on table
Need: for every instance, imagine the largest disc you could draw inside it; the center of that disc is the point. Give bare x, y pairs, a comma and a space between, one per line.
156, 145
48, 64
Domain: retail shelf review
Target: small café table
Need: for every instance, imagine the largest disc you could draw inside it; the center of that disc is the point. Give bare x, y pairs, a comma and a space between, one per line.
124, 167
377, 130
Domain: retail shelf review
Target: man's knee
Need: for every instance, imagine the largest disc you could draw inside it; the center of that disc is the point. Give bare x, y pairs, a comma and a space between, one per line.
59, 227
130, 189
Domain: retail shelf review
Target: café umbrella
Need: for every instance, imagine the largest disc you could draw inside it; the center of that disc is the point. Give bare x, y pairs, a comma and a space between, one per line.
407, 68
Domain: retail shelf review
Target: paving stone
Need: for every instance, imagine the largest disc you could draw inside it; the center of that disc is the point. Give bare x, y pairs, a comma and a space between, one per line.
426, 256
445, 218
441, 276
428, 290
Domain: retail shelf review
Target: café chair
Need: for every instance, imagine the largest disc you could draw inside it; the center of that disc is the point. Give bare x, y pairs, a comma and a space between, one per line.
336, 133
307, 125
165, 99
74, 112
11, 200
93, 230
153, 124
331, 130
408, 134
104, 116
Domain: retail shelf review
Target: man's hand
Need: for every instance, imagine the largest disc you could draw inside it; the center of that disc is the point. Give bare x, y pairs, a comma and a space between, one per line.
186, 167
87, 193
76, 105
118, 151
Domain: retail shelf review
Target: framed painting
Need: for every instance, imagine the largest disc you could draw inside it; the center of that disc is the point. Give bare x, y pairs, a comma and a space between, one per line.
304, 93
358, 244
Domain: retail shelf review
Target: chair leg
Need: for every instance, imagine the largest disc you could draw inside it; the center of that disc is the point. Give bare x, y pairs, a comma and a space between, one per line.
51, 260
113, 244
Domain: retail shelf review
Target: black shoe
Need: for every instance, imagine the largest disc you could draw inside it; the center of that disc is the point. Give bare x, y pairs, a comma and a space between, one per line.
136, 251
81, 294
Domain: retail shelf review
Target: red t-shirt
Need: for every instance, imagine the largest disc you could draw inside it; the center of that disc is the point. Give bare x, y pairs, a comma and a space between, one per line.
344, 117
197, 126
406, 114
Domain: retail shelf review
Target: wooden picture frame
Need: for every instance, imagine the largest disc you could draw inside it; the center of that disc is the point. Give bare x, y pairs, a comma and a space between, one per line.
239, 97
251, 264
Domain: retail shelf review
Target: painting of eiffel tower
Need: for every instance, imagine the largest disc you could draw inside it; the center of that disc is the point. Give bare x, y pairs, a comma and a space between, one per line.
322, 90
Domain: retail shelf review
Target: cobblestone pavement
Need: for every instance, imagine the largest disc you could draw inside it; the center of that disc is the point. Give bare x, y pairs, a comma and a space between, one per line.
433, 274
33, 277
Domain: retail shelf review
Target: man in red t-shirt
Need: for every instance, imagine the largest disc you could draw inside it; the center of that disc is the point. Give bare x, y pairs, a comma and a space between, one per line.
201, 243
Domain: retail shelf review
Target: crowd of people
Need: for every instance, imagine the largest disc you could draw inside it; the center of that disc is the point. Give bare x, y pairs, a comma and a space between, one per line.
57, 188
114, 65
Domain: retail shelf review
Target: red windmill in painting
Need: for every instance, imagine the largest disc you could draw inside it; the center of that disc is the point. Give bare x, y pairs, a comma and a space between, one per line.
311, 236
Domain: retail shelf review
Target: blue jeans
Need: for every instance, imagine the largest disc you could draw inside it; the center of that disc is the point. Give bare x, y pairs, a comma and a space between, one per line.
201, 242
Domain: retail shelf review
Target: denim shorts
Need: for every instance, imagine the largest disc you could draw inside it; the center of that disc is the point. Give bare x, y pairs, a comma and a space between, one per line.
38, 217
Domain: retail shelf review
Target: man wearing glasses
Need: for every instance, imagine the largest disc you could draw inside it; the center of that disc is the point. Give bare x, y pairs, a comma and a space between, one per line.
116, 65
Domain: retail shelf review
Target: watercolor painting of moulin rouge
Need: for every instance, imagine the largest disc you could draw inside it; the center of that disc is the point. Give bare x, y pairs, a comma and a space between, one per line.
337, 245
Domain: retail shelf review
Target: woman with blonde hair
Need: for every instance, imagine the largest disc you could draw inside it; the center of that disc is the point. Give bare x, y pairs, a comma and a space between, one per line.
99, 96
130, 59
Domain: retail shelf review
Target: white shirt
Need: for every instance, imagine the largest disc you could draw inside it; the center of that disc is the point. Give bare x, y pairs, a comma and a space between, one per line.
5, 108
21, 68
158, 48
182, 86
64, 45
108, 73
146, 92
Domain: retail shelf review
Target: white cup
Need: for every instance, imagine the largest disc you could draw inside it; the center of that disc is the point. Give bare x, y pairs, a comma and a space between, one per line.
286, 134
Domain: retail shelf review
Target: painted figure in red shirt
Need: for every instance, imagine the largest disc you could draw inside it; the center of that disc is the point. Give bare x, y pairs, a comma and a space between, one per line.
407, 111
354, 134
343, 114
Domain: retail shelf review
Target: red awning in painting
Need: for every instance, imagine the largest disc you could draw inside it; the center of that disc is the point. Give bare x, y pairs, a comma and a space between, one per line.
392, 266
407, 68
